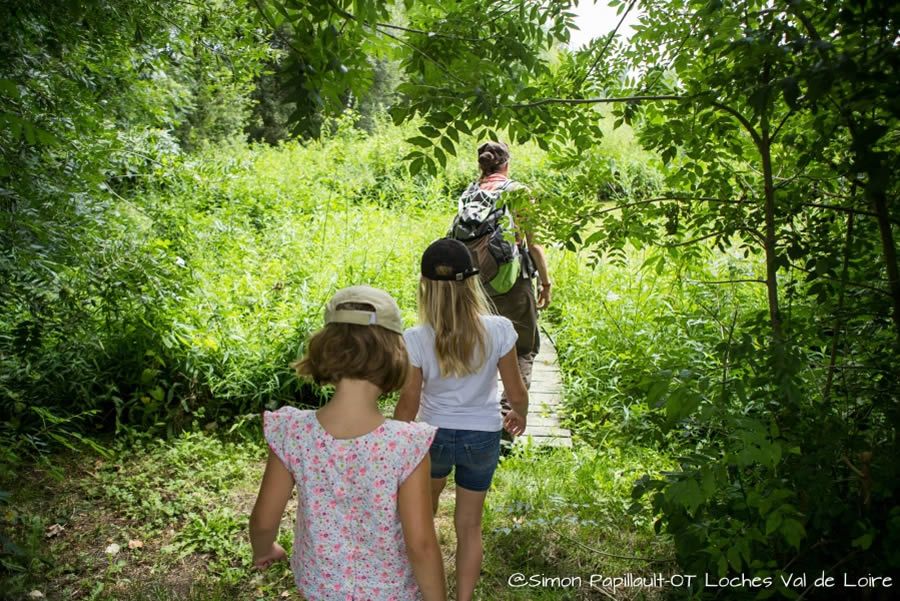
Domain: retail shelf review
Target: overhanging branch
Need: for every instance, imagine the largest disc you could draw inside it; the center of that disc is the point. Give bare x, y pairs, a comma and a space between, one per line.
544, 101
609, 40
673, 198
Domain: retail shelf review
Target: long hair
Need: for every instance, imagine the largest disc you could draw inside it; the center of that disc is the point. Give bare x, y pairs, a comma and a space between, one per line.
453, 310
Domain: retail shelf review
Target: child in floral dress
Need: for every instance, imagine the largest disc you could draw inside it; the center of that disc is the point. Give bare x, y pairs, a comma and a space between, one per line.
364, 529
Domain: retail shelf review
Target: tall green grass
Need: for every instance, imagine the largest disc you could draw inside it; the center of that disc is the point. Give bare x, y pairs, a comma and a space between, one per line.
632, 331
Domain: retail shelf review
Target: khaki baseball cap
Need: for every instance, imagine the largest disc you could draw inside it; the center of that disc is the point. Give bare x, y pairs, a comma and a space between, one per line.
386, 314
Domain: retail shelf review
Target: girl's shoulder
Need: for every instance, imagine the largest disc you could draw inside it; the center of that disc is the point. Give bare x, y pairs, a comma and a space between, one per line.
288, 413
496, 323
284, 429
415, 433
404, 428
285, 419
417, 331
501, 332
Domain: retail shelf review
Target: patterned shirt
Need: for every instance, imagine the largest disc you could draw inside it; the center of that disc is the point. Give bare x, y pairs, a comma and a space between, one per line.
348, 541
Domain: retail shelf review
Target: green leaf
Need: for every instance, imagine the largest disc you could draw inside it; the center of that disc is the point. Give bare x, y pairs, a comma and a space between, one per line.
758, 99
734, 558
668, 154
793, 532
595, 237
448, 146
398, 114
686, 493
9, 88
791, 91
420, 141
773, 522
441, 157
440, 119
865, 541
429, 131
657, 389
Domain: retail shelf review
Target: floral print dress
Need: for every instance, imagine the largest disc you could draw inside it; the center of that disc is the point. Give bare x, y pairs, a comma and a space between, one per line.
348, 542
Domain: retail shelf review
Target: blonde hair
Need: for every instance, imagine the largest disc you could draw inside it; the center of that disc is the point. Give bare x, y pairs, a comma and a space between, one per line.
453, 310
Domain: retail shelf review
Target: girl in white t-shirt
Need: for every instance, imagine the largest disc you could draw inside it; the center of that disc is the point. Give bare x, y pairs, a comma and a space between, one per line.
455, 355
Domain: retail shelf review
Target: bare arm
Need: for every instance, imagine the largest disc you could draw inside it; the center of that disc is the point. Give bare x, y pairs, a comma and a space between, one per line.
516, 393
414, 507
524, 217
540, 261
274, 493
408, 406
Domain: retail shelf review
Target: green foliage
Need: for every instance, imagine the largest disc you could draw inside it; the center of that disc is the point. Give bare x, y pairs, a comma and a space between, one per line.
466, 66
208, 282
745, 262
187, 500
90, 99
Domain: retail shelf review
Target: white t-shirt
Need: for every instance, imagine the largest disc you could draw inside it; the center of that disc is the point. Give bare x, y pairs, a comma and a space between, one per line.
471, 402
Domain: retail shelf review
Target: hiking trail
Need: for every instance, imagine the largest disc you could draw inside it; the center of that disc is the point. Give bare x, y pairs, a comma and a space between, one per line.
545, 400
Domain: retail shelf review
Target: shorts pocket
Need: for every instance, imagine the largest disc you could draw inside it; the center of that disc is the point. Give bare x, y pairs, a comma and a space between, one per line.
483, 455
441, 460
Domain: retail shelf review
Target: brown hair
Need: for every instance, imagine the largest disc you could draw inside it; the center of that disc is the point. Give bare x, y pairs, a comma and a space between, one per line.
492, 156
343, 350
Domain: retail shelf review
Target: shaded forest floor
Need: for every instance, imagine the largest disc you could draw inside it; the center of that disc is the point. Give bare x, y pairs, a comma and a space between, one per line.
166, 520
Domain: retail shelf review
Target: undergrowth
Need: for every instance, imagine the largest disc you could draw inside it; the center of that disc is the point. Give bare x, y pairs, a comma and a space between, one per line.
168, 520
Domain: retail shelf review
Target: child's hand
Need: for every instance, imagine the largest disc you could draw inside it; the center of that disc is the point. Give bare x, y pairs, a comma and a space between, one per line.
276, 553
514, 423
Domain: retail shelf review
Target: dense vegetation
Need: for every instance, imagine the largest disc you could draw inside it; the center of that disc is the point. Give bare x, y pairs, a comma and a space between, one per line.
720, 193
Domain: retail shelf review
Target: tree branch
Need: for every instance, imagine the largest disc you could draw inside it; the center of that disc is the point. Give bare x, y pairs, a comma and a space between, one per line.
349, 15
691, 241
203, 42
436, 62
432, 34
831, 279
757, 139
604, 553
609, 40
275, 29
778, 128
748, 280
376, 29
685, 199
841, 209
542, 102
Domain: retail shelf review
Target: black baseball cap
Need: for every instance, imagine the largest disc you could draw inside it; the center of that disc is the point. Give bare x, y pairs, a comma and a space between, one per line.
447, 260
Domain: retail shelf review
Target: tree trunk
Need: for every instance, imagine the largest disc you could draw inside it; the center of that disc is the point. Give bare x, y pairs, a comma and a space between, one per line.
889, 250
765, 151
836, 328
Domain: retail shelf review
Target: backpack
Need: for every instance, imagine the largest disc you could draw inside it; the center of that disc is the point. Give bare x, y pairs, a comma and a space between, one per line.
484, 227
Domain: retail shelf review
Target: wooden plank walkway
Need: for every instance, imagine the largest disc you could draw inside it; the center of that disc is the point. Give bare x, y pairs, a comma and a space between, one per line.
545, 400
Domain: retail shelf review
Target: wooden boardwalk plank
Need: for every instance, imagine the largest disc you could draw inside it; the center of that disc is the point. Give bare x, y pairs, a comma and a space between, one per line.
545, 401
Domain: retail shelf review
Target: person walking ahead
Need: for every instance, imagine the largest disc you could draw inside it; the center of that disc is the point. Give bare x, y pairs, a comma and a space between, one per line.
455, 354
484, 233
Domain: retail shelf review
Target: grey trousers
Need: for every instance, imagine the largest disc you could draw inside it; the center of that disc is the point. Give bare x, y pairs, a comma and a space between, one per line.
520, 307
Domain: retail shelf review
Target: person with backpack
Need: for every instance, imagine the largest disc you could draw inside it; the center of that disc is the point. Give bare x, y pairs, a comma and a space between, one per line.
506, 253
455, 355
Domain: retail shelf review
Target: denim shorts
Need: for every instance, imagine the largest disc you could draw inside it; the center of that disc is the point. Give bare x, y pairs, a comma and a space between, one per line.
474, 454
